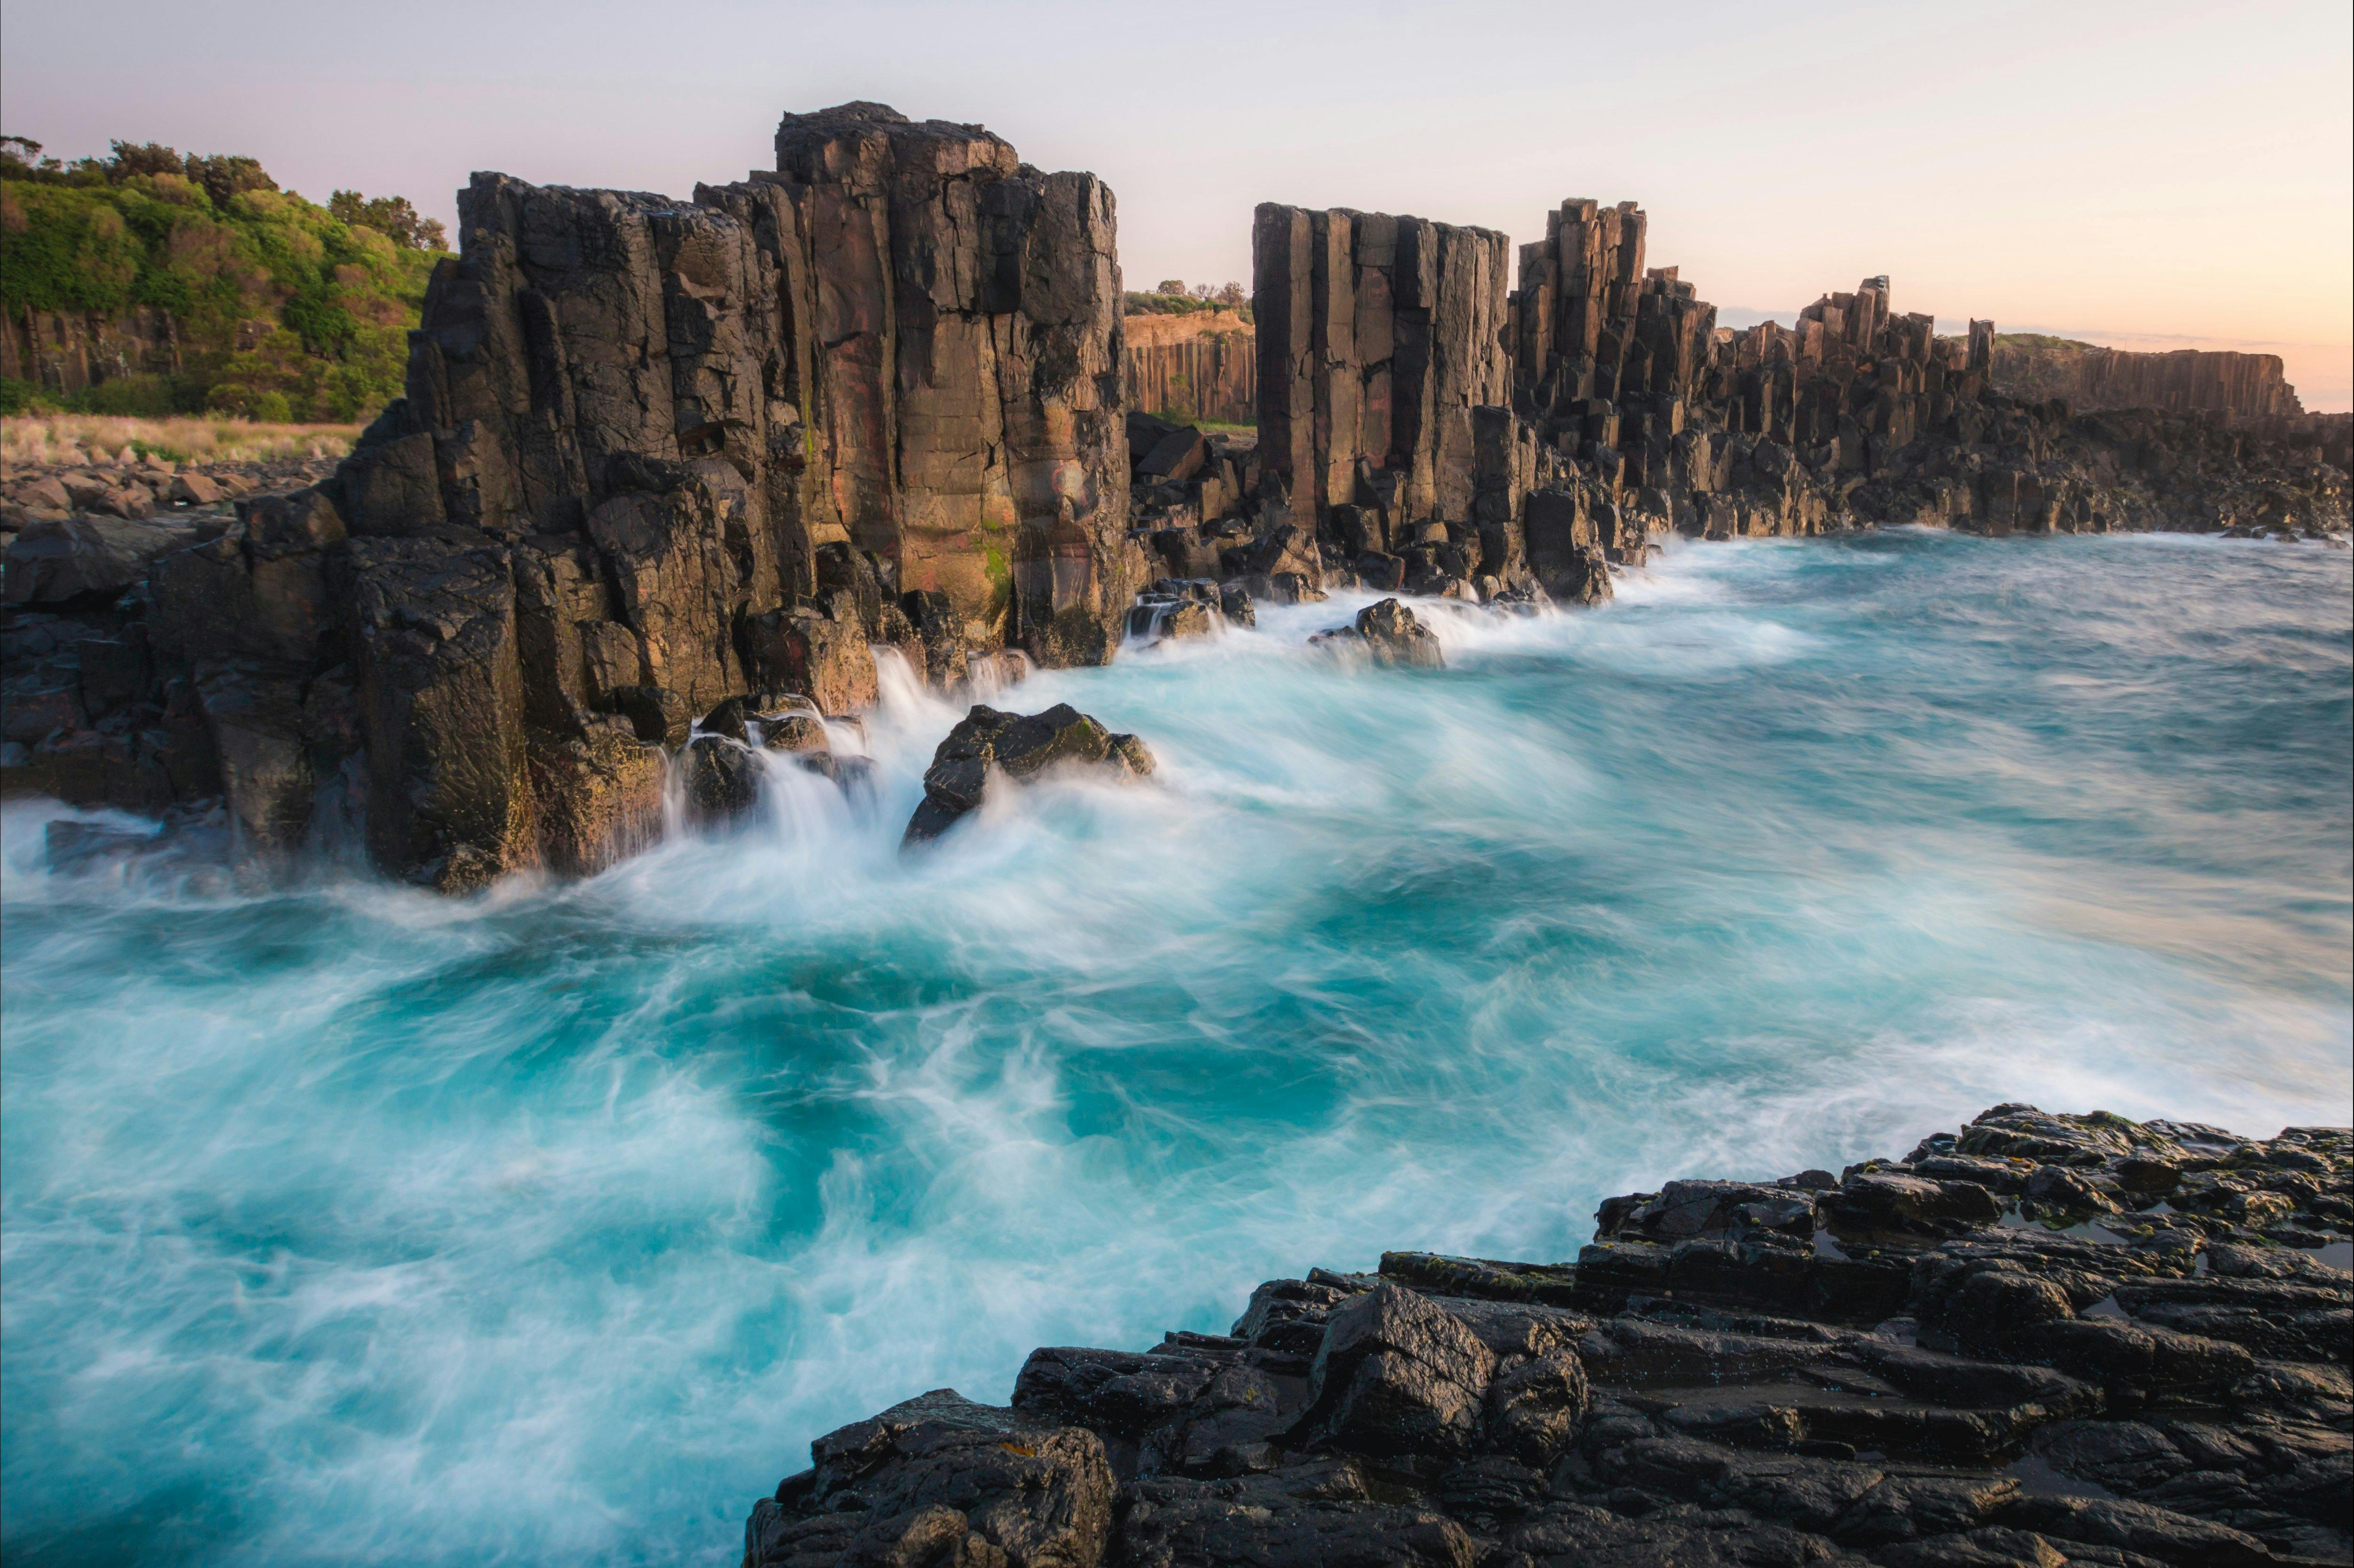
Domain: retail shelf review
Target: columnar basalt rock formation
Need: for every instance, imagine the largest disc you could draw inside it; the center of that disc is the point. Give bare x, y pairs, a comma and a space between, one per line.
2184, 380
1377, 336
655, 454
1199, 366
65, 352
2037, 1341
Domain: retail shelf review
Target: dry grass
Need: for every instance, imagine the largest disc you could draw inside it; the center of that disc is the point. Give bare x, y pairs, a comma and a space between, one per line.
65, 440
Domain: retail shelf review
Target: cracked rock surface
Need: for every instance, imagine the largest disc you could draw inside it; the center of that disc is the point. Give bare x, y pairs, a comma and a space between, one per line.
2043, 1340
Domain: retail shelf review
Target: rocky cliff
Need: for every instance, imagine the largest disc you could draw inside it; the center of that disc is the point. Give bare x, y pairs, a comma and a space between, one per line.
655, 454
1202, 366
1626, 412
657, 457
2088, 376
69, 352
2037, 1341
1377, 336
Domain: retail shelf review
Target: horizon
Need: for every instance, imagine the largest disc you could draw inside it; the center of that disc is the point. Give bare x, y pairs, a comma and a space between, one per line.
2086, 179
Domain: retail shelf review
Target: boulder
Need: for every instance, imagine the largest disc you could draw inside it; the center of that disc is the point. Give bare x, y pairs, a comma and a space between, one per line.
85, 558
722, 779
988, 745
1390, 636
1396, 1374
941, 1480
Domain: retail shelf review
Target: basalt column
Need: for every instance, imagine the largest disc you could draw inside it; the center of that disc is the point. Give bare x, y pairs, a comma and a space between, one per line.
1377, 336
655, 454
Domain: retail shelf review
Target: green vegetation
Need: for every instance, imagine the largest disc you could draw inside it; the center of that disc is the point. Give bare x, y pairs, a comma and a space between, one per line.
2037, 340
1173, 299
283, 309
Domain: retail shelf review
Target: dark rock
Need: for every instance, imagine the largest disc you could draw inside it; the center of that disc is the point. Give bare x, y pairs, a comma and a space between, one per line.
989, 743
601, 797
1391, 637
1759, 1394
1396, 1374
922, 1483
81, 559
440, 697
1310, 1518
722, 778
657, 715
726, 719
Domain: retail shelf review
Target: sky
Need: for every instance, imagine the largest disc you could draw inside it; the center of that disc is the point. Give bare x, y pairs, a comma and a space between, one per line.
2151, 175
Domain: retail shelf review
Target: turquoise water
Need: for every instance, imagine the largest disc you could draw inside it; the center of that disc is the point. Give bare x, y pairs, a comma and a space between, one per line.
340, 1224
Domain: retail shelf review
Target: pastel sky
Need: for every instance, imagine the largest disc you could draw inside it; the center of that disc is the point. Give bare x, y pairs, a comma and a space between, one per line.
2152, 174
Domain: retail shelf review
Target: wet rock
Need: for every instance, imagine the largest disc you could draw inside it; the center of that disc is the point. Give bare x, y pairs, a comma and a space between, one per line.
1309, 1517
1396, 1374
822, 654
936, 1481
988, 744
657, 715
1730, 1389
1391, 637
441, 699
793, 731
601, 798
721, 778
726, 719
1879, 1203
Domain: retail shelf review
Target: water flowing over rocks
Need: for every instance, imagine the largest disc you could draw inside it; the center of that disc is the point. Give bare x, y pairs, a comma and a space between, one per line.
656, 454
1390, 636
988, 748
2040, 1340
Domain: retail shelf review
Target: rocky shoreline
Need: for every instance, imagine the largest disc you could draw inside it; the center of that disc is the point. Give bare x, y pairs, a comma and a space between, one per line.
2042, 1339
658, 457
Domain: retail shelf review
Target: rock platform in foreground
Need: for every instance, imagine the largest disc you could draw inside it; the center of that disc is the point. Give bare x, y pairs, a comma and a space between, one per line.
2043, 1341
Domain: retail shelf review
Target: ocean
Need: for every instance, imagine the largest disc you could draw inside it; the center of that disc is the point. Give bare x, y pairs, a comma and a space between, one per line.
343, 1224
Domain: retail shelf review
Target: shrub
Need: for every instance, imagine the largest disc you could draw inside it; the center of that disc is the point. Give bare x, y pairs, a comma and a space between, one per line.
213, 240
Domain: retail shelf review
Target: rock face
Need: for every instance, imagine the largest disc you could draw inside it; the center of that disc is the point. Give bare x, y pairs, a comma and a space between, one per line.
1377, 336
72, 351
1199, 366
2044, 1340
989, 746
655, 454
1623, 412
2185, 380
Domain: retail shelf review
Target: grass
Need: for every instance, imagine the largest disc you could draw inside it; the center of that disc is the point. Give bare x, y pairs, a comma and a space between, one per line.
45, 441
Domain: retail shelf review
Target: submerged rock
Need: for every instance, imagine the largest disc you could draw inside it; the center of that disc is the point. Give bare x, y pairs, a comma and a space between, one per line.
1717, 1380
988, 745
1390, 636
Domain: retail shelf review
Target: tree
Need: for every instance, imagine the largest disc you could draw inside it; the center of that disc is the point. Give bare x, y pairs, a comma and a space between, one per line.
130, 159
224, 175
392, 216
1170, 286
1233, 296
